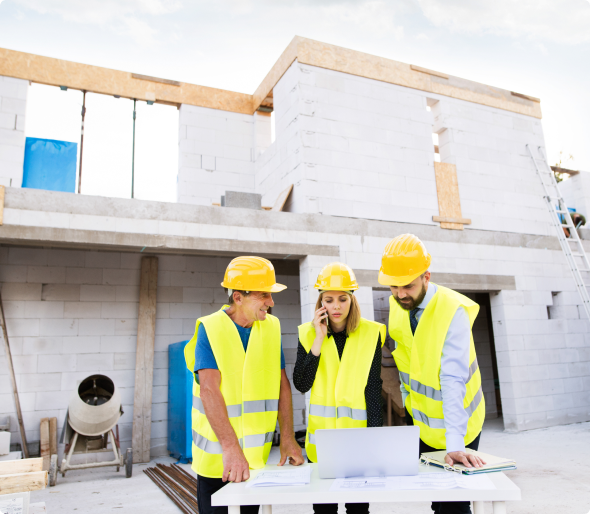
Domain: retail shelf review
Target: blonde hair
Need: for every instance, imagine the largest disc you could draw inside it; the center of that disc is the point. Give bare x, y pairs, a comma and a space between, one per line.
353, 319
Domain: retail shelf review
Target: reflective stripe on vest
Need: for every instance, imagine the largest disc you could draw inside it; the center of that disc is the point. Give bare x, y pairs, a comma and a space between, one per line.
324, 411
254, 374
418, 357
338, 392
233, 411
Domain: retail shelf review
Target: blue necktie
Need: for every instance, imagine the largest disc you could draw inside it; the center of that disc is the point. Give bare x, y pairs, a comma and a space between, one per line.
413, 320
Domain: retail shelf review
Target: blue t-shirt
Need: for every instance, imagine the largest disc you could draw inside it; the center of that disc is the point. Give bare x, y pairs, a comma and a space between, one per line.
204, 358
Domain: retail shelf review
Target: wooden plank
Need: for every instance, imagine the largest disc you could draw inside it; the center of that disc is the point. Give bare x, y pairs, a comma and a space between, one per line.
44, 443
446, 219
429, 72
23, 482
282, 199
8, 353
144, 360
2, 194
447, 190
52, 436
14, 467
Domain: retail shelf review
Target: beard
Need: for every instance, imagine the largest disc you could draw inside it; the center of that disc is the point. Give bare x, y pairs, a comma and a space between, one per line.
412, 303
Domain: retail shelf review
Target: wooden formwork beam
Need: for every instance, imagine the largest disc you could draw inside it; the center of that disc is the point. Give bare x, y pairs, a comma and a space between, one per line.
144, 360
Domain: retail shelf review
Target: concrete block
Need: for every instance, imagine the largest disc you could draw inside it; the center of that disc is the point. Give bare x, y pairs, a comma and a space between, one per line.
80, 344
95, 362
54, 400
170, 295
56, 363
41, 345
68, 258
84, 276
119, 310
128, 293
8, 120
28, 256
123, 277
185, 279
13, 106
103, 260
44, 309
96, 327
11, 273
31, 383
125, 327
57, 327
59, 292
120, 344
79, 310
243, 200
24, 364
18, 291
23, 327
90, 293
191, 311
46, 275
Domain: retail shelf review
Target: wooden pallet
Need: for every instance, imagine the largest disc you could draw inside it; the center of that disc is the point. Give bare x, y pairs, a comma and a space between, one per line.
396, 412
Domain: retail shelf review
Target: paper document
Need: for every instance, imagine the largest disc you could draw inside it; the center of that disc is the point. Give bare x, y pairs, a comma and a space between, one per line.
423, 481
364, 483
292, 475
12, 506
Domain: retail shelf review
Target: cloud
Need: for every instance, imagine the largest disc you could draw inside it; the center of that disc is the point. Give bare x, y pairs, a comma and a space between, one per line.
563, 21
121, 16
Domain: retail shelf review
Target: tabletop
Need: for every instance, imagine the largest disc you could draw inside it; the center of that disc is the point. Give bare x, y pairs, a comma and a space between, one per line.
318, 491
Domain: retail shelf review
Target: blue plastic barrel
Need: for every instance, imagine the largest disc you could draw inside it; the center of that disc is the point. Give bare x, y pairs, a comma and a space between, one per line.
180, 399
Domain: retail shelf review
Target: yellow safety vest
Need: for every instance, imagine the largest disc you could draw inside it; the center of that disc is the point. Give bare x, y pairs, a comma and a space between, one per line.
418, 359
338, 391
250, 385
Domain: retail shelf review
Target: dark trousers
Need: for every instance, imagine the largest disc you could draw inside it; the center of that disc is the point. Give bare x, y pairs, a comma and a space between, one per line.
446, 507
332, 508
206, 487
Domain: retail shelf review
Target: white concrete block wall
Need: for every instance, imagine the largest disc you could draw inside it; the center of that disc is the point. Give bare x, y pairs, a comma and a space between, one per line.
576, 192
71, 314
13, 102
498, 185
362, 148
216, 153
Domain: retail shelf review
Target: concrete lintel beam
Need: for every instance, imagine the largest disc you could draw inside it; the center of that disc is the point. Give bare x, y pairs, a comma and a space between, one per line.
457, 281
148, 243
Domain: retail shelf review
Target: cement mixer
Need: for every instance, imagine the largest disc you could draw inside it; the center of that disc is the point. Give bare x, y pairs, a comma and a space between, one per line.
93, 412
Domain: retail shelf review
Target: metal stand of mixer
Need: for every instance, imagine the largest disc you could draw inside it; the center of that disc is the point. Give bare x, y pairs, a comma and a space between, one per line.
83, 445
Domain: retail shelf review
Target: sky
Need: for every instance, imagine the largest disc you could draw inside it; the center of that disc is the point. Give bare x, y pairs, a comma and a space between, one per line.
537, 47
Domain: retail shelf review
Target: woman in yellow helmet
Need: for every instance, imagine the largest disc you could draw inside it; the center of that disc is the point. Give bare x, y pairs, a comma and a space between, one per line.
339, 359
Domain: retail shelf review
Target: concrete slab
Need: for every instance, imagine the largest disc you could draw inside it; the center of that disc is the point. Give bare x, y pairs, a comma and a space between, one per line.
552, 474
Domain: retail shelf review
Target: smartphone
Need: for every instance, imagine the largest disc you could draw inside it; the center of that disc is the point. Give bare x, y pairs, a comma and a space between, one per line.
325, 320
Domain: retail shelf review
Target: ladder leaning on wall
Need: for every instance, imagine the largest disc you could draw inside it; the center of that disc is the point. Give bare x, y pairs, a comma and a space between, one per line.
572, 246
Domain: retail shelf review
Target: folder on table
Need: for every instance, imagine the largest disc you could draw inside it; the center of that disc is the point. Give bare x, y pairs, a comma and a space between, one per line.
492, 463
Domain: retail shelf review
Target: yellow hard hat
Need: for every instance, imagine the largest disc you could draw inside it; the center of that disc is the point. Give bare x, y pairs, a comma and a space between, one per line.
251, 274
404, 259
336, 276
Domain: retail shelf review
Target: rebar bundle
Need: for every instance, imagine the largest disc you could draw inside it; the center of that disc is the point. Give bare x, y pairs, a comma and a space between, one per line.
177, 484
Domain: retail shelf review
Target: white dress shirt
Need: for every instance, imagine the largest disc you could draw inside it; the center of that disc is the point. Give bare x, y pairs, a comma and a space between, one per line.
454, 373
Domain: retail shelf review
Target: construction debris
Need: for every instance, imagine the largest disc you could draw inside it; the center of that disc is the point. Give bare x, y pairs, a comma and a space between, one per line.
177, 484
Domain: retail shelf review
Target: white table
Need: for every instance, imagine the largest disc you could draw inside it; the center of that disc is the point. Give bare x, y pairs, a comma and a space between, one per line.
318, 491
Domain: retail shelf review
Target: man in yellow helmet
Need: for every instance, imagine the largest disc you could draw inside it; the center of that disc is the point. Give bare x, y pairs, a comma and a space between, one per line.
435, 355
240, 387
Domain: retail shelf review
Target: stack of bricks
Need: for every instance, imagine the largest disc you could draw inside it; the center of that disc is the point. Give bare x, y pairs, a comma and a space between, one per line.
71, 314
13, 98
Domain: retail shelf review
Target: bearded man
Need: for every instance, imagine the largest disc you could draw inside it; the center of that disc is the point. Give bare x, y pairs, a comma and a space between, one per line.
435, 355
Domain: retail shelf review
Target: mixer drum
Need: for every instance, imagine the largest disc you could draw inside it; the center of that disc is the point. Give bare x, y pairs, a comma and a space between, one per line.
95, 407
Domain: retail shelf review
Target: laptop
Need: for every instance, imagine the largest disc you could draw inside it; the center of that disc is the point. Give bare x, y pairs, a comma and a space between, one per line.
368, 452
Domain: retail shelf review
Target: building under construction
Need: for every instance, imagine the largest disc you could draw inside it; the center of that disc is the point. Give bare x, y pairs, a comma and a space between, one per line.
365, 149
